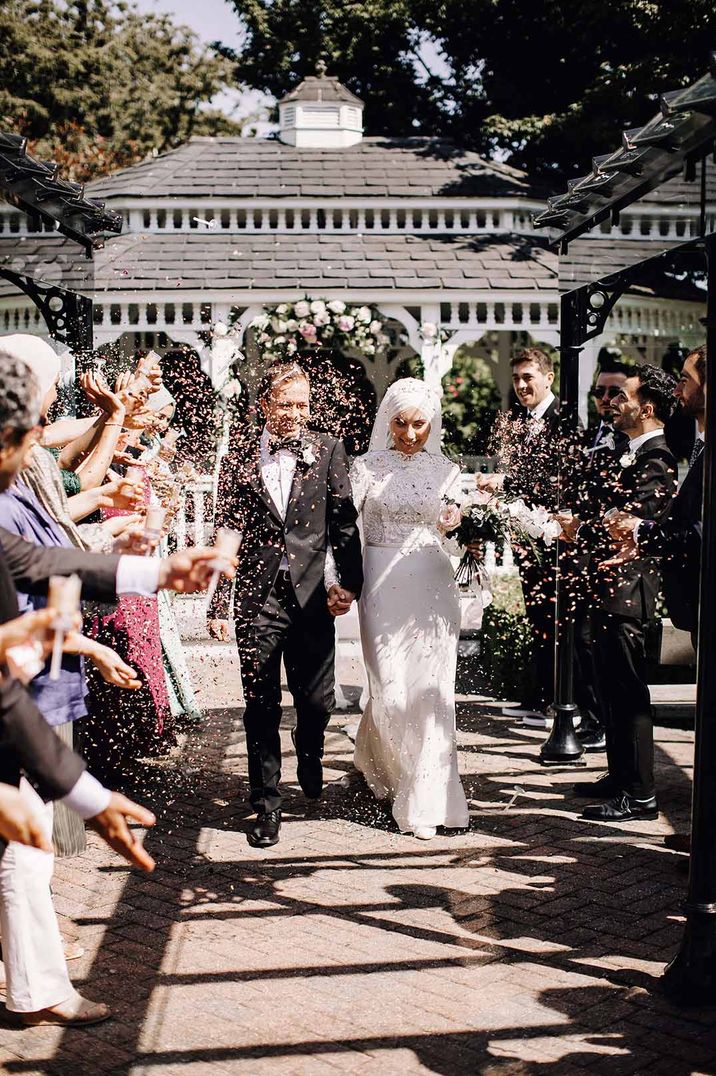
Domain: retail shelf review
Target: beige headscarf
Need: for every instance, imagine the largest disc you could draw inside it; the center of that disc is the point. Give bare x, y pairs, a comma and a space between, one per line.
35, 353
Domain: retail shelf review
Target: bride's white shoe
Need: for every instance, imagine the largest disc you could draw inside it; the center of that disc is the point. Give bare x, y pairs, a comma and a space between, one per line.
424, 833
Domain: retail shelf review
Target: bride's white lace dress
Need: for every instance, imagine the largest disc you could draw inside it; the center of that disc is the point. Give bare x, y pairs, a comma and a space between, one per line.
410, 623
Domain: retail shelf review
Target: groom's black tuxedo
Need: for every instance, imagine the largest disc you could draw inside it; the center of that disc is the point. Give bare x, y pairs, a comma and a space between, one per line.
282, 612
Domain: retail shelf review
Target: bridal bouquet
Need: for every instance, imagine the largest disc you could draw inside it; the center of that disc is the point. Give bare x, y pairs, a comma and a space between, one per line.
483, 517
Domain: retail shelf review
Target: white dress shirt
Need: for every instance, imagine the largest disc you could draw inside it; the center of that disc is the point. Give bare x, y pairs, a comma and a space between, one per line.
539, 410
277, 470
636, 442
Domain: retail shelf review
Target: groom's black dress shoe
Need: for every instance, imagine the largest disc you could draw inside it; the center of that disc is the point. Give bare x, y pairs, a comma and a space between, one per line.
265, 830
310, 772
622, 808
602, 789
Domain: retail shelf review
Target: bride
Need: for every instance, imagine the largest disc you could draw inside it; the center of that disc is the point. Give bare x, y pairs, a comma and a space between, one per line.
409, 615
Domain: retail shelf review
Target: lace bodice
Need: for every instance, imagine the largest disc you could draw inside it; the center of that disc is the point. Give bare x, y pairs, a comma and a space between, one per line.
400, 497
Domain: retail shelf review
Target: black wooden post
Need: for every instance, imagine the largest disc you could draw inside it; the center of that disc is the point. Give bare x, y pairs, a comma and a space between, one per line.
690, 978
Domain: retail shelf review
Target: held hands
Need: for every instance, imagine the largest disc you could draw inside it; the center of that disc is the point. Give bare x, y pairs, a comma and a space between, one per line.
191, 570
18, 822
111, 824
219, 629
339, 600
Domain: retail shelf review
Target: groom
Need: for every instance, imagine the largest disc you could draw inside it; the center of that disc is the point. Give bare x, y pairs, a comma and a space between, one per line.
287, 490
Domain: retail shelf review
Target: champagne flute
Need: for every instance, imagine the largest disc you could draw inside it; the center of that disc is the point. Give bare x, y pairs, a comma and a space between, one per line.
63, 595
154, 521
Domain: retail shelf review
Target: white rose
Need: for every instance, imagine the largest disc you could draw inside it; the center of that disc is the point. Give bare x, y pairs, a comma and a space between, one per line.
279, 339
318, 306
321, 319
383, 340
376, 327
346, 323
302, 309
278, 325
368, 349
337, 306
259, 322
282, 309
364, 314
429, 330
291, 325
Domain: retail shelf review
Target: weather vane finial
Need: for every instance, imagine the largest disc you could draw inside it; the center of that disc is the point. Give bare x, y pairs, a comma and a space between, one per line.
321, 68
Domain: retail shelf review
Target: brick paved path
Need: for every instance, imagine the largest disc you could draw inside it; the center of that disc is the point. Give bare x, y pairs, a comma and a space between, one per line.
532, 944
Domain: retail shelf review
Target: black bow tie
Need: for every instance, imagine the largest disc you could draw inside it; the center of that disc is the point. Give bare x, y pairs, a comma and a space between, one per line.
276, 444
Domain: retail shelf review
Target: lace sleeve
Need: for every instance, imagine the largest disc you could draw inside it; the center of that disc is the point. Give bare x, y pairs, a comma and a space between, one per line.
360, 482
452, 491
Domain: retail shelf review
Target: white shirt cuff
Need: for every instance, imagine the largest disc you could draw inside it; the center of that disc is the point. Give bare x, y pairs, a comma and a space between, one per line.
138, 575
88, 797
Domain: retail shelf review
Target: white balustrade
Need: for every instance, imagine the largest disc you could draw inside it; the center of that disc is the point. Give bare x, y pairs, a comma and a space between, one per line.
197, 531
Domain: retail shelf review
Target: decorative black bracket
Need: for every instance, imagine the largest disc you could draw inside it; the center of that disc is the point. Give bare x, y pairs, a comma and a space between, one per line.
67, 314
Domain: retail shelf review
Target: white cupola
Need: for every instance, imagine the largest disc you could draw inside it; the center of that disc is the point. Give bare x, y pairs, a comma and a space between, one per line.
320, 114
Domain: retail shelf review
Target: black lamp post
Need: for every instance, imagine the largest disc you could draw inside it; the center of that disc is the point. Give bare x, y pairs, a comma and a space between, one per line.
690, 978
562, 746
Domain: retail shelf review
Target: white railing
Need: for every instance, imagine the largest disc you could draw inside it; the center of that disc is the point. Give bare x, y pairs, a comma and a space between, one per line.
197, 530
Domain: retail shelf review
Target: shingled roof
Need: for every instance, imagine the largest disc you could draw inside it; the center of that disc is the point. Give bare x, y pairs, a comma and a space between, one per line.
268, 168
159, 262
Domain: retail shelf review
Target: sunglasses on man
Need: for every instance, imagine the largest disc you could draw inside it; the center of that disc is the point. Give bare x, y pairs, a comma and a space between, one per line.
610, 391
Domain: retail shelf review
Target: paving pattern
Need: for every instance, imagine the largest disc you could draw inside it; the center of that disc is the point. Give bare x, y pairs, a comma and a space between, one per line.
532, 944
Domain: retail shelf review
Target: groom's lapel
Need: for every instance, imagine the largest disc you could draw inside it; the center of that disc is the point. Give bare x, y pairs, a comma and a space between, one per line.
303, 470
259, 486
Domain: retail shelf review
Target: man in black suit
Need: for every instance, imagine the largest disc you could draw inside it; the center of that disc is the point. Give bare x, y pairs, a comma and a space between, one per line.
625, 596
532, 473
677, 539
287, 490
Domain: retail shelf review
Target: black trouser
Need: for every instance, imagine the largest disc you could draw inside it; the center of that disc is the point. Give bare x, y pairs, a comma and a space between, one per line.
306, 642
539, 583
620, 655
586, 684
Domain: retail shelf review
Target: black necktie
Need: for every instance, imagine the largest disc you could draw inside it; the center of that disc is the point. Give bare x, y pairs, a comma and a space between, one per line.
289, 445
696, 451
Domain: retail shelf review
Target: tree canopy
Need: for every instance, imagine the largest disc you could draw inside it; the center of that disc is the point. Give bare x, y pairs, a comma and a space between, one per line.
544, 84
97, 86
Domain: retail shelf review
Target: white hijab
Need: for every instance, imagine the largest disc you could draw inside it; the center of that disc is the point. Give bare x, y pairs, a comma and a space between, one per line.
407, 394
35, 353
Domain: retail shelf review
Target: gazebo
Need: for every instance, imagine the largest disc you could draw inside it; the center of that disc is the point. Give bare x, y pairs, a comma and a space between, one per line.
427, 233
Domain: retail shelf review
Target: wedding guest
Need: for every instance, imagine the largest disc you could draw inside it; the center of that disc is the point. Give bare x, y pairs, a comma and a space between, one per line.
625, 597
676, 540
290, 496
529, 441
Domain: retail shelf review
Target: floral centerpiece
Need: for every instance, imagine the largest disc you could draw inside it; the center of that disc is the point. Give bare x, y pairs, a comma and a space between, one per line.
284, 330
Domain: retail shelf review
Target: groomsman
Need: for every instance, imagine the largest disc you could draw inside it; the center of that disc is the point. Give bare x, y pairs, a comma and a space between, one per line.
677, 539
601, 441
625, 593
535, 479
